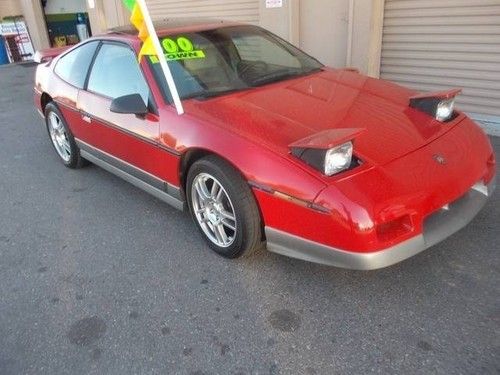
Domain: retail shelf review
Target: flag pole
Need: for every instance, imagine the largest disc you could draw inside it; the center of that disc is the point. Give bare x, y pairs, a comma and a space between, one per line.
161, 56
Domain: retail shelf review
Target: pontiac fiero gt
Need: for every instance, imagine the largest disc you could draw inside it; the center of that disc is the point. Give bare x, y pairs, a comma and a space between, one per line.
274, 149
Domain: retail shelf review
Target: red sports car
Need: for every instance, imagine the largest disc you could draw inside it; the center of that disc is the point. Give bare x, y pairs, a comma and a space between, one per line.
274, 149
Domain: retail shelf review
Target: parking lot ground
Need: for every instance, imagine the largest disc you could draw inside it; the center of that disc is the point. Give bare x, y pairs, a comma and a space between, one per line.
97, 277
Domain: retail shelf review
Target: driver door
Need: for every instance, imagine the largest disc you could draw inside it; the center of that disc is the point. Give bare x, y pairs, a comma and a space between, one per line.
124, 140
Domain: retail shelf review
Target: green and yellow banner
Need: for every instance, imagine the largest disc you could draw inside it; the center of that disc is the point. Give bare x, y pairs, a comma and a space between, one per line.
151, 45
137, 19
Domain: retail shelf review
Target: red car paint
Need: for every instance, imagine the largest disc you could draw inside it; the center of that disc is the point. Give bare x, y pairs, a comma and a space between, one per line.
399, 181
328, 138
440, 94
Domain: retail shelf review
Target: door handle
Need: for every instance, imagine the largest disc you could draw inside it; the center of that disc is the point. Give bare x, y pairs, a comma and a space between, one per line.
86, 117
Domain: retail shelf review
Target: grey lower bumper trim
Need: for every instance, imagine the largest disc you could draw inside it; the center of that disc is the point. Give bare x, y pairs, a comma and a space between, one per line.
436, 228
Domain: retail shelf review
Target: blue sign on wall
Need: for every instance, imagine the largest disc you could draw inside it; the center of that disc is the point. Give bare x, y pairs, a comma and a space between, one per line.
4, 58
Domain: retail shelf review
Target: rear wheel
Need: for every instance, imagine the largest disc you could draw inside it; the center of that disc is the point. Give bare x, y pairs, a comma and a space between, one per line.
62, 139
223, 208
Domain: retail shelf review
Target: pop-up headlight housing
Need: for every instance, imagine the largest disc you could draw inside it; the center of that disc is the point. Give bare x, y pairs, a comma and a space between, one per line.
330, 151
439, 105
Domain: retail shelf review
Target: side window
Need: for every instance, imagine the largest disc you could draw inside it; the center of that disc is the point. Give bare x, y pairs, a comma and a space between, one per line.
116, 73
73, 66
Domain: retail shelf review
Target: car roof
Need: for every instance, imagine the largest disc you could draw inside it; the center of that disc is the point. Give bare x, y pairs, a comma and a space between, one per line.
168, 26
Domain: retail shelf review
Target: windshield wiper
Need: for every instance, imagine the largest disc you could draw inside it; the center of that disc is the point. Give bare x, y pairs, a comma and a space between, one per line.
207, 94
282, 75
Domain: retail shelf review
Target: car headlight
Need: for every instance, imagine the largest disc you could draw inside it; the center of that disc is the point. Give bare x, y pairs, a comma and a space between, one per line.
338, 159
328, 161
439, 105
445, 109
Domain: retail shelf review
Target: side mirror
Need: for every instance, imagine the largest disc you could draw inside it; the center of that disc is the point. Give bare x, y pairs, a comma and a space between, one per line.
132, 104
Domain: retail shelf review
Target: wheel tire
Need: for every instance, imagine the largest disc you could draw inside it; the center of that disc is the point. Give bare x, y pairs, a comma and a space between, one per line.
62, 139
247, 236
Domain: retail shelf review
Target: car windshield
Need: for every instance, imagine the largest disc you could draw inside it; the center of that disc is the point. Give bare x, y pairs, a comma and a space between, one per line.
210, 63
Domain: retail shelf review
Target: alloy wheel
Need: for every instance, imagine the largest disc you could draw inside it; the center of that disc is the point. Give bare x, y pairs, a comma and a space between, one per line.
213, 210
59, 137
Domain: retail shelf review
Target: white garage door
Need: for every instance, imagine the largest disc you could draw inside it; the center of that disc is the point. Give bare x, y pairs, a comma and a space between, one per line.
233, 10
433, 45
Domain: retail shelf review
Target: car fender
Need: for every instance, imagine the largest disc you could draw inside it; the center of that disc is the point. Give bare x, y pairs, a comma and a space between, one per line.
261, 167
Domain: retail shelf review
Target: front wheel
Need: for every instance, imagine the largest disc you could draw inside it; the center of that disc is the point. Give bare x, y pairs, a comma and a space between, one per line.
223, 208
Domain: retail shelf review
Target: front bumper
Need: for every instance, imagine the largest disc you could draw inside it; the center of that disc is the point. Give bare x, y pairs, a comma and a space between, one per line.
437, 227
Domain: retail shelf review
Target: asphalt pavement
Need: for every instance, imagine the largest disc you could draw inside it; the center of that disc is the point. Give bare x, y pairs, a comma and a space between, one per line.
98, 277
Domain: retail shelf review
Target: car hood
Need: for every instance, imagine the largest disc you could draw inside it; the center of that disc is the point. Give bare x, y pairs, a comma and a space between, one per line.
280, 114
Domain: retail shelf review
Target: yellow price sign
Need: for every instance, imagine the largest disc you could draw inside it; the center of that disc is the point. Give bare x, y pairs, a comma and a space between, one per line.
180, 49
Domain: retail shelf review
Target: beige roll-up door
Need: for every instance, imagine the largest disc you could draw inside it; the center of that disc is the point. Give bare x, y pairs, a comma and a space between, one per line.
233, 10
437, 44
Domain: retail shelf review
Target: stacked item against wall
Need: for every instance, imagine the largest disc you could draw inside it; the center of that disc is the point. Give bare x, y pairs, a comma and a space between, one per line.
15, 40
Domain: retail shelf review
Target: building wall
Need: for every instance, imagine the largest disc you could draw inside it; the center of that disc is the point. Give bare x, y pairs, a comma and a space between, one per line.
338, 32
437, 45
10, 8
35, 19
284, 21
233, 10
107, 14
116, 14
365, 43
323, 30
